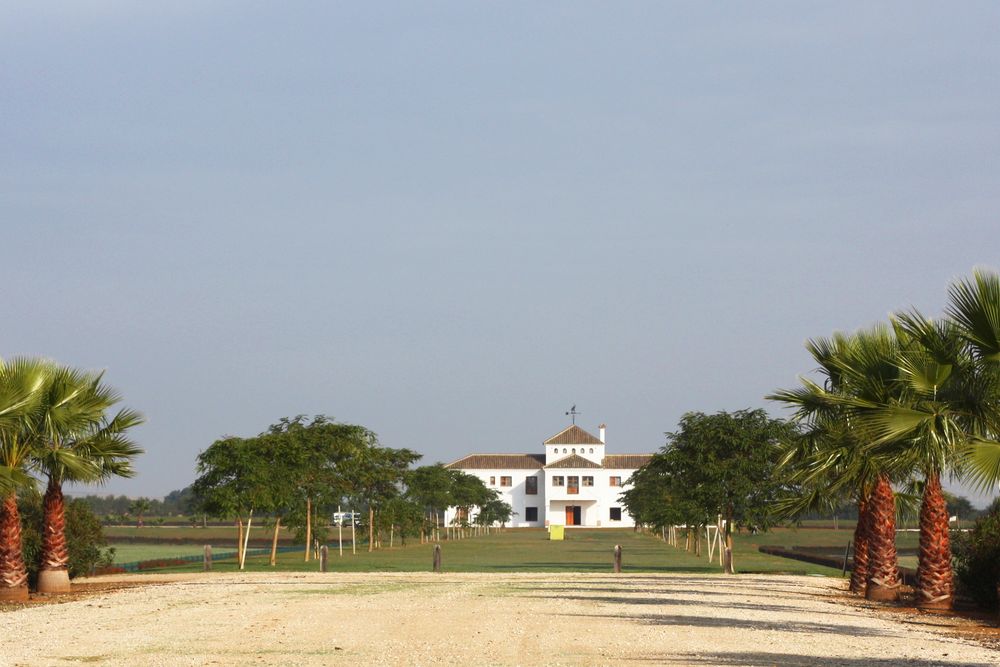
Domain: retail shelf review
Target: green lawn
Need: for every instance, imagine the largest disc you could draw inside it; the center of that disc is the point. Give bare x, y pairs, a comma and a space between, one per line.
210, 535
128, 553
530, 550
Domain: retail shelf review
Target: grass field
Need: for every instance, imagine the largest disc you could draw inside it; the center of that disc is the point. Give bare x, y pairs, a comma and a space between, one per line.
128, 553
530, 550
210, 535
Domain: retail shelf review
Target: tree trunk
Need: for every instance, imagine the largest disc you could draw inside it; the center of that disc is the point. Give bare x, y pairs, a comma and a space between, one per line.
53, 574
274, 542
935, 584
246, 542
883, 570
239, 537
727, 552
862, 538
308, 529
13, 574
371, 529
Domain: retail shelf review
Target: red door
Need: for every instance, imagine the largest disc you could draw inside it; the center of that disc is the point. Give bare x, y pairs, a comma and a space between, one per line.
570, 515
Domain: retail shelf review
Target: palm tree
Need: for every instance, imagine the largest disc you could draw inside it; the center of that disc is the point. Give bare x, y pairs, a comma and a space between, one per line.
945, 412
836, 454
20, 381
139, 508
75, 440
975, 308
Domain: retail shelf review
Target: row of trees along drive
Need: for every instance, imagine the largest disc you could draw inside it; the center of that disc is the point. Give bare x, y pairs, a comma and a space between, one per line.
55, 424
721, 464
300, 471
898, 406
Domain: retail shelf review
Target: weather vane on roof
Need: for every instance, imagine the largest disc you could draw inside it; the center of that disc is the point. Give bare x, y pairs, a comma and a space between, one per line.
572, 412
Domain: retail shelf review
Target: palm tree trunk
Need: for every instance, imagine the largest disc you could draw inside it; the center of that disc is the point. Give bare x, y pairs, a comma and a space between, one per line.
53, 575
883, 569
862, 538
13, 574
935, 583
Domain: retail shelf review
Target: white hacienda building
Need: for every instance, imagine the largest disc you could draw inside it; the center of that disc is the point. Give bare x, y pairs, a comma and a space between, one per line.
574, 483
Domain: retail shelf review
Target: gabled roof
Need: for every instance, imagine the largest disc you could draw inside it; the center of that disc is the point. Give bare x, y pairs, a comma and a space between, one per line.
573, 461
626, 461
499, 462
573, 435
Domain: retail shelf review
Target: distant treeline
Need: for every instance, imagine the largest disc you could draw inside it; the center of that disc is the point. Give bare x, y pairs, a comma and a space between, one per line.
959, 506
174, 503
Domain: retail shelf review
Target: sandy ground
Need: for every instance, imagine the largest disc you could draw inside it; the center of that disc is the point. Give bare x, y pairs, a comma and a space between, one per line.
481, 619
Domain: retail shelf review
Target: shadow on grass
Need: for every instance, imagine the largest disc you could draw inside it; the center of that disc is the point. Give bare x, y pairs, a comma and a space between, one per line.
562, 566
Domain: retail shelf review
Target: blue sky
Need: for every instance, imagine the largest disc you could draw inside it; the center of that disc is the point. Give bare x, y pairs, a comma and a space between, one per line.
451, 222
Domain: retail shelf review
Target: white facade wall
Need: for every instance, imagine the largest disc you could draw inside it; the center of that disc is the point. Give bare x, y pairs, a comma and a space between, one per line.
595, 502
514, 495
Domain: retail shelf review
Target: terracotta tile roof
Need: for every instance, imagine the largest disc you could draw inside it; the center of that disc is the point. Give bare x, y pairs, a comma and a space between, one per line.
573, 461
573, 435
626, 461
499, 462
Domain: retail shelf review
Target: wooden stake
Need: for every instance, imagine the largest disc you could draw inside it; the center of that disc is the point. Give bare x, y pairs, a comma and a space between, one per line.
437, 557
618, 558
324, 553
208, 557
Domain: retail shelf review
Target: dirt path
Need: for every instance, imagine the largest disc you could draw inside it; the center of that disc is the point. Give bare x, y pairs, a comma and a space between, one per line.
466, 619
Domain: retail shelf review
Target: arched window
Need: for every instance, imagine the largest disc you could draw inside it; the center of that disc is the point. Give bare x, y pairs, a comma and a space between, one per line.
574, 450
591, 450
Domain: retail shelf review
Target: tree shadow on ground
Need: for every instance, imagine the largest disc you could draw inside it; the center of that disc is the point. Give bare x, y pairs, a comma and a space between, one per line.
749, 658
670, 601
746, 624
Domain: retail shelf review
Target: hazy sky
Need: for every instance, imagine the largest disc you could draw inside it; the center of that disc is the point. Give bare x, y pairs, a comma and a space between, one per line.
450, 222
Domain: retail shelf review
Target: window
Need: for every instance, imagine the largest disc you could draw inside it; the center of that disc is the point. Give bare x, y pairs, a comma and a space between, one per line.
531, 514
574, 450
493, 480
531, 485
504, 480
615, 480
564, 450
557, 480
616, 513
588, 481
591, 450
573, 484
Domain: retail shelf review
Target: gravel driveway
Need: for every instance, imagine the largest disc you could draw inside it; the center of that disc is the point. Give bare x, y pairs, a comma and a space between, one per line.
474, 619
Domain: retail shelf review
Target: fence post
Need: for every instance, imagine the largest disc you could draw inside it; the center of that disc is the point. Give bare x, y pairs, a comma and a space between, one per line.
323, 553
618, 558
208, 557
437, 557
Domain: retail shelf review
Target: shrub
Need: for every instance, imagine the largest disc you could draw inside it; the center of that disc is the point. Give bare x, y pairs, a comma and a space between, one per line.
84, 536
977, 560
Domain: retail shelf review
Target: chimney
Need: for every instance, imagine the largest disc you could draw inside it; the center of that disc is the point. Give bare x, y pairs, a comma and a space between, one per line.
600, 434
